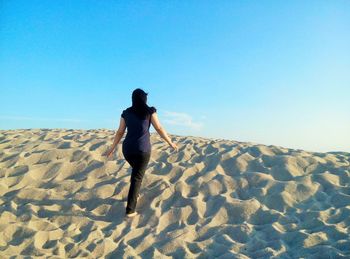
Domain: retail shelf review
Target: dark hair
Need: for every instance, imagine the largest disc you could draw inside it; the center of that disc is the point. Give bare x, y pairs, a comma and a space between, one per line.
139, 103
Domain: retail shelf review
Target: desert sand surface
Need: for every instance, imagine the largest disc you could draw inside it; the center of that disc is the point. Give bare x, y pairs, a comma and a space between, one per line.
214, 198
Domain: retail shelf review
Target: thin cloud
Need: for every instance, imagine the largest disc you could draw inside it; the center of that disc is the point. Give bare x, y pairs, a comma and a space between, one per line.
181, 119
17, 118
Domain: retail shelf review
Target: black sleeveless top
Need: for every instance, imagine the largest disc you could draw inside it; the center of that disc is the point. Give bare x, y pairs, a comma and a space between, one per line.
137, 138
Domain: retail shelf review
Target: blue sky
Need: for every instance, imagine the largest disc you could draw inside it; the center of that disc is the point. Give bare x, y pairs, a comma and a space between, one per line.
270, 72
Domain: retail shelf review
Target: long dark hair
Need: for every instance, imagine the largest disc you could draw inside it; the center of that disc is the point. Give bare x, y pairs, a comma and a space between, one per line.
139, 103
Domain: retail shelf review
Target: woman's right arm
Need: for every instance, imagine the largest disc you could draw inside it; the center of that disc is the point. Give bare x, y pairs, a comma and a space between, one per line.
161, 131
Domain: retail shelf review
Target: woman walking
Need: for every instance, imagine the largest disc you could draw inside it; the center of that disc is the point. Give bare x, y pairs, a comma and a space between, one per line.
137, 145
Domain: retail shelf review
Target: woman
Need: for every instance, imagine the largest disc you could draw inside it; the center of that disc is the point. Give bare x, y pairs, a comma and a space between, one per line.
136, 145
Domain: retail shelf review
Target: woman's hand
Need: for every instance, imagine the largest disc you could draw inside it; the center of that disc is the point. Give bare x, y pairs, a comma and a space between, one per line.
109, 153
174, 146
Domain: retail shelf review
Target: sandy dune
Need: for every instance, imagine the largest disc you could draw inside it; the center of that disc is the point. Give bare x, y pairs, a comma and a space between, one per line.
214, 198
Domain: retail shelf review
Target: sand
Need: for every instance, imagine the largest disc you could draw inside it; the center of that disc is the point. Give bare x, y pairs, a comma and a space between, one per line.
213, 199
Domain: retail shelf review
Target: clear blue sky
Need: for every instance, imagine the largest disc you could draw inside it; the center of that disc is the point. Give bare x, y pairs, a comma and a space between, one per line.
270, 72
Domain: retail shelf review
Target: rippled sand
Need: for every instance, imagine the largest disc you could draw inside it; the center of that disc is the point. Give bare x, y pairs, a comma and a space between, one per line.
214, 198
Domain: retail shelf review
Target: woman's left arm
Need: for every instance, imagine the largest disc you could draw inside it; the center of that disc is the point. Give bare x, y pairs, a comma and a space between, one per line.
118, 135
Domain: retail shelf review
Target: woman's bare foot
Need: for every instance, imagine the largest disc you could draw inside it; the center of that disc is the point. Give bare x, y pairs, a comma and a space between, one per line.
130, 215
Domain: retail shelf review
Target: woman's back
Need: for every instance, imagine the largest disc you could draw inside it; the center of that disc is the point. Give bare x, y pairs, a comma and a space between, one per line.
138, 137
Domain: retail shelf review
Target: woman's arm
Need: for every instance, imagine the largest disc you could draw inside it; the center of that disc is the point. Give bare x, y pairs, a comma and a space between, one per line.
161, 131
118, 135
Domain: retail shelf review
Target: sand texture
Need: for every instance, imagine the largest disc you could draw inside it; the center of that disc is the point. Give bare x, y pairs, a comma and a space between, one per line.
213, 199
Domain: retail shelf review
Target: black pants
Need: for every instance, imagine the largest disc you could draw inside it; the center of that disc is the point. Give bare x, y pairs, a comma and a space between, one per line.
139, 163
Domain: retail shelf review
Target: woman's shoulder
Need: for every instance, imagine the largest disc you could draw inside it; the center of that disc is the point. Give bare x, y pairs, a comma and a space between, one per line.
152, 109
128, 109
124, 112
